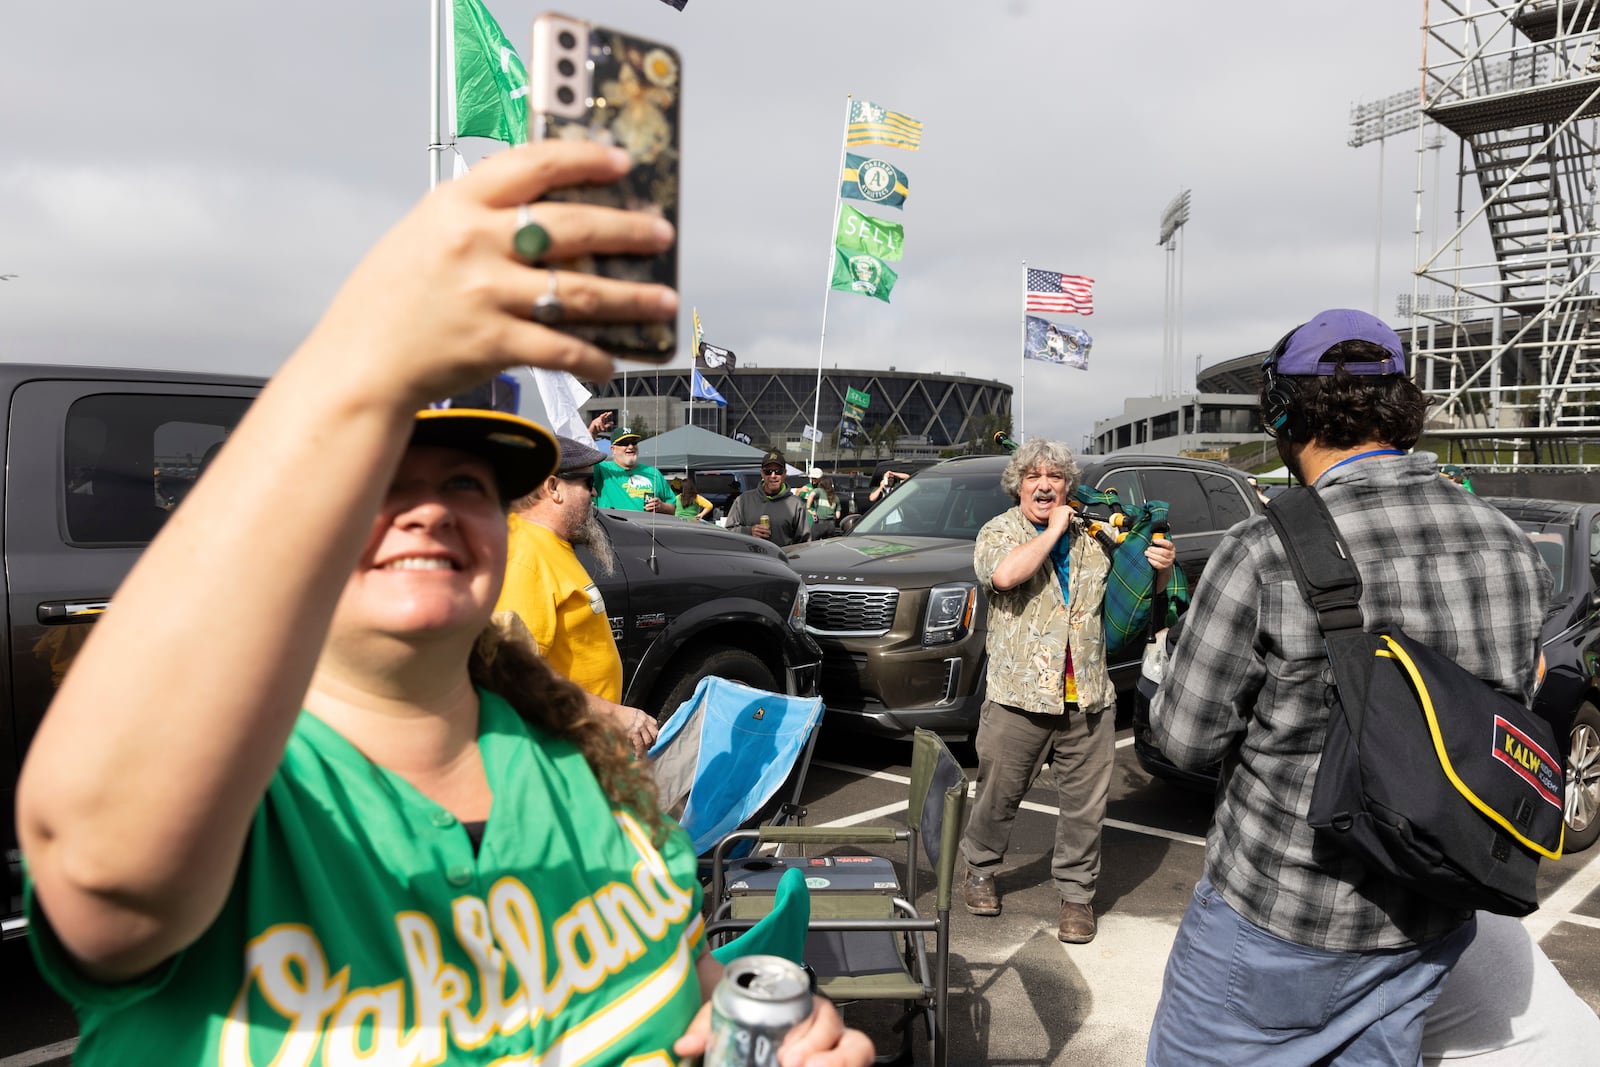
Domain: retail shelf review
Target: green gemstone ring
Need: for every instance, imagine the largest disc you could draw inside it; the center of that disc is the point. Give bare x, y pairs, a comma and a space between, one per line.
531, 239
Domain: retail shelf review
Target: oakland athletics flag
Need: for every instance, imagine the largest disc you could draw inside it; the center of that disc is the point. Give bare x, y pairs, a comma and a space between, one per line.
487, 79
863, 233
1050, 343
854, 415
873, 180
857, 272
871, 124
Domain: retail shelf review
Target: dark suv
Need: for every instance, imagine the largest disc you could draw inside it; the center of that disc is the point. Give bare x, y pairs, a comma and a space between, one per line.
689, 599
896, 606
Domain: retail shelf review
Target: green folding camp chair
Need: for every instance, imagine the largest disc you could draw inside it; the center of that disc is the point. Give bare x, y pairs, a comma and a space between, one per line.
865, 939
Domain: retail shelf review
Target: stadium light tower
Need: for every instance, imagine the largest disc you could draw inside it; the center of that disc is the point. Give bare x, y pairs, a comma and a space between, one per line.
1378, 121
1173, 216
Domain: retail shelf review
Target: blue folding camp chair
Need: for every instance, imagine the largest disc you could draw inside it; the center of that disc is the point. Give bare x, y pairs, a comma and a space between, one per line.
727, 751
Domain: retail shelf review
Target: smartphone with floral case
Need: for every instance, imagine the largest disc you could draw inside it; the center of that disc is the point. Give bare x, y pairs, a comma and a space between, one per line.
589, 82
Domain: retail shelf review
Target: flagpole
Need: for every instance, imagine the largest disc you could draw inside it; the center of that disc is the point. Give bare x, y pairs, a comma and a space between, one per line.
1022, 359
435, 145
827, 287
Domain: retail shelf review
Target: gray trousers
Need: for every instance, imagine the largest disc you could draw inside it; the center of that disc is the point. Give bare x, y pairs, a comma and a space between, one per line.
1012, 746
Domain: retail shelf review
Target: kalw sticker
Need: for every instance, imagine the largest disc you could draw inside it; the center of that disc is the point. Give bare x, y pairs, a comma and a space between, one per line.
1519, 752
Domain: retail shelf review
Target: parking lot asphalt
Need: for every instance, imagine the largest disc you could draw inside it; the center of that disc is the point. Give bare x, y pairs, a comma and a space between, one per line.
1018, 996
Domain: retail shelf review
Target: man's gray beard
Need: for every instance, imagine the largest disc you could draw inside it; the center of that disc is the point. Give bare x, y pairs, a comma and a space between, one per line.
593, 534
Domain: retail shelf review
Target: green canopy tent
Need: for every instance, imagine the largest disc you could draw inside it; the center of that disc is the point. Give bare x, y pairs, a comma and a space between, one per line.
695, 448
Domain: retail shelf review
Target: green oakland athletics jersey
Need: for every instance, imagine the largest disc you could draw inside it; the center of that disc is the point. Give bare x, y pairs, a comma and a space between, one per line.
362, 928
618, 487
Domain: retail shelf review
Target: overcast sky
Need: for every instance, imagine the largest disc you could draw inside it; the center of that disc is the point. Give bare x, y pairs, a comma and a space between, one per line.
185, 183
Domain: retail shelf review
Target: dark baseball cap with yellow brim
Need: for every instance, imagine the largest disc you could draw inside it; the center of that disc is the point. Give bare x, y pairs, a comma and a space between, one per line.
522, 453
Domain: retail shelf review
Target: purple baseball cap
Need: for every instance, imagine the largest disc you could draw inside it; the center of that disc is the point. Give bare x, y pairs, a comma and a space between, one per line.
1303, 354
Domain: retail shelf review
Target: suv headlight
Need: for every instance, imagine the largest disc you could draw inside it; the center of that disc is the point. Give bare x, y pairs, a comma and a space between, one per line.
949, 614
797, 610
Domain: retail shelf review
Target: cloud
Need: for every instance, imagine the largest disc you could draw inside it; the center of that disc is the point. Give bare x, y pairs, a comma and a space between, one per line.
192, 191
183, 267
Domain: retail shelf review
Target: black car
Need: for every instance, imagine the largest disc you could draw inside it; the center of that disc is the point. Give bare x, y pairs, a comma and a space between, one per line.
1567, 535
688, 599
722, 487
896, 606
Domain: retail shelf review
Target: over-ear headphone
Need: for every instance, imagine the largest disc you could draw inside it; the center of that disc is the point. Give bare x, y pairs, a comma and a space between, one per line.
1278, 392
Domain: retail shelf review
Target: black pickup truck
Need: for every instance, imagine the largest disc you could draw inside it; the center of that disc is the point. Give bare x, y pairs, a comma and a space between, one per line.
96, 458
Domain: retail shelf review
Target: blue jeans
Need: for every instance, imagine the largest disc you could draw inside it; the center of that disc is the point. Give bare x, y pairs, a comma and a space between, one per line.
1235, 994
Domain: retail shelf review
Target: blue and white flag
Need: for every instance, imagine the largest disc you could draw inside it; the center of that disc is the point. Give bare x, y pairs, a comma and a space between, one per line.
1050, 343
700, 389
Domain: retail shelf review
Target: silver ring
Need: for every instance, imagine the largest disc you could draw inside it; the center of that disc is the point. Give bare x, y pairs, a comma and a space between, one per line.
547, 310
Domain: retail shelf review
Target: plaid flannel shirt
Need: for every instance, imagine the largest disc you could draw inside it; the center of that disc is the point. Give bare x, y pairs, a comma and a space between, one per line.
1246, 683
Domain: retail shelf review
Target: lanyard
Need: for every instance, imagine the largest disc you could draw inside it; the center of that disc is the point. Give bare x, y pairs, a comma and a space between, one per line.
1363, 455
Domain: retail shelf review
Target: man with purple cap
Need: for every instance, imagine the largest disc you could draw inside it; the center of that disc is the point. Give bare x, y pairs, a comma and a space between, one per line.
549, 589
1290, 951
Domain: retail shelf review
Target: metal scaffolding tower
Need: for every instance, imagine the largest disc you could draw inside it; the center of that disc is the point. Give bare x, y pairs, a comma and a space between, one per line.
1510, 338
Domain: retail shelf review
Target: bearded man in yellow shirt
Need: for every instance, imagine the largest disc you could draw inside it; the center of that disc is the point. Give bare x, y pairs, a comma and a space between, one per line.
548, 587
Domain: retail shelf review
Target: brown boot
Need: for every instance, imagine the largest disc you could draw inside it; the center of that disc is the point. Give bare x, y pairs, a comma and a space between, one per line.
982, 896
1077, 923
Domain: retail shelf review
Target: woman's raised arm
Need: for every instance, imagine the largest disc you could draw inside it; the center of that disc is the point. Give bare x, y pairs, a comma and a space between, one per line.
138, 791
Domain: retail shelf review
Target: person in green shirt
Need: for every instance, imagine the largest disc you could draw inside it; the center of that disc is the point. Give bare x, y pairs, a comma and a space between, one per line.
689, 504
361, 822
1458, 475
623, 482
823, 507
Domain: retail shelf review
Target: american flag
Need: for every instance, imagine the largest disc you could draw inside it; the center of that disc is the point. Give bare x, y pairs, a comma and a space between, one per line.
1068, 294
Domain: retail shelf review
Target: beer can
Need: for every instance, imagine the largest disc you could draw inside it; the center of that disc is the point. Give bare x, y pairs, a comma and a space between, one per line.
765, 521
758, 1001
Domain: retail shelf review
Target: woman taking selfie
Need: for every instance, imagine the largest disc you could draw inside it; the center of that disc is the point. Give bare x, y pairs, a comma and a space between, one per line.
351, 820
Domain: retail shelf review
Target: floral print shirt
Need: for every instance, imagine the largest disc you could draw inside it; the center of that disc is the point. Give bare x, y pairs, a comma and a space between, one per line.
1032, 626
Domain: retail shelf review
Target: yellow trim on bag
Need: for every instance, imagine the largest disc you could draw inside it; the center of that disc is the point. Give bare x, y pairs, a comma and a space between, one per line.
1397, 653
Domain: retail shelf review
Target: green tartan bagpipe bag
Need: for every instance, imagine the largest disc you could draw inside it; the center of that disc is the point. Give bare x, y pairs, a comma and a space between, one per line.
1126, 530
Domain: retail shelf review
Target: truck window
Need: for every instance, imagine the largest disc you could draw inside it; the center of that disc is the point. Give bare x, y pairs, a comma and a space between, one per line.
129, 459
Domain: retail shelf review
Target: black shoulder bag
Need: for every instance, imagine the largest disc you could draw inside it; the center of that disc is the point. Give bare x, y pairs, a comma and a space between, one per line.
1431, 777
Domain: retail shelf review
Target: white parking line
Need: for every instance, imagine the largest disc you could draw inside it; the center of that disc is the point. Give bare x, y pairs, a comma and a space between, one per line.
854, 820
43, 1054
1044, 809
1558, 908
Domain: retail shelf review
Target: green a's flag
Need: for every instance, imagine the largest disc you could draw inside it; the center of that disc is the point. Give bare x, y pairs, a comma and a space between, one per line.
873, 180
863, 233
857, 272
487, 80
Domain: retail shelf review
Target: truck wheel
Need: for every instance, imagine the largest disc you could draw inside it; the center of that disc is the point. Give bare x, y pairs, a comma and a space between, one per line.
734, 664
1583, 780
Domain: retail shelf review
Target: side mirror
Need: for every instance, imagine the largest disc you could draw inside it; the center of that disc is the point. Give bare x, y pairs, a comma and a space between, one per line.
848, 523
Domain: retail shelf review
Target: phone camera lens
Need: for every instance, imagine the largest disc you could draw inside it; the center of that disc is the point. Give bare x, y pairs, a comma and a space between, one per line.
566, 39
565, 94
567, 68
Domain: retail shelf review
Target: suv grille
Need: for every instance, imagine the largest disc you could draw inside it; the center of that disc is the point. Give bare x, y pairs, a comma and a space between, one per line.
851, 611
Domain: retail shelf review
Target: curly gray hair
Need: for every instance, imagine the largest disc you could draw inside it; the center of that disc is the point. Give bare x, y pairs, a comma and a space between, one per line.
1051, 456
